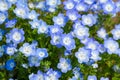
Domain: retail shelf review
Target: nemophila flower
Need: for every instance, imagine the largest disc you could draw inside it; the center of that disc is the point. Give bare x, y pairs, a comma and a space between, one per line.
92, 77
33, 76
102, 33
10, 23
31, 5
25, 66
16, 36
53, 3
81, 32
102, 1
92, 44
4, 6
41, 5
116, 33
12, 1
109, 7
10, 64
77, 23
52, 75
111, 45
95, 55
95, 65
77, 73
64, 65
69, 4
67, 41
81, 7
10, 49
73, 78
27, 49
51, 9
22, 3
55, 29
118, 6
43, 28
34, 61
56, 40
101, 48
89, 20
89, 1
21, 12
2, 50
83, 55
35, 23
73, 15
104, 78
41, 53
40, 75
67, 52
33, 15
60, 20
3, 17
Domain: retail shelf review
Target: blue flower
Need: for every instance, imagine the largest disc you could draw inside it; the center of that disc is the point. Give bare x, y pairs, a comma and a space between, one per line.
28, 49
3, 17
4, 6
12, 1
53, 3
52, 75
89, 20
1, 34
109, 7
35, 23
116, 33
64, 65
67, 52
33, 15
111, 45
95, 55
43, 28
102, 33
10, 23
16, 36
33, 77
41, 5
10, 64
60, 20
81, 7
104, 78
40, 75
81, 32
55, 29
68, 42
73, 15
34, 61
92, 77
21, 12
10, 49
41, 53
83, 55
89, 1
69, 4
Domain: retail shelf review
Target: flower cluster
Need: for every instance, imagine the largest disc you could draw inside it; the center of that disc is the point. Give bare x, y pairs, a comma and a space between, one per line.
59, 39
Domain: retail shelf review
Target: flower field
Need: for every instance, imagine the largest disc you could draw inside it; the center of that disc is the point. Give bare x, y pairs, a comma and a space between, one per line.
59, 40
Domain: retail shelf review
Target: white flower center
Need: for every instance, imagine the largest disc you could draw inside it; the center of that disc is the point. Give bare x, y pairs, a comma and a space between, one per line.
17, 36
109, 7
67, 41
41, 54
70, 5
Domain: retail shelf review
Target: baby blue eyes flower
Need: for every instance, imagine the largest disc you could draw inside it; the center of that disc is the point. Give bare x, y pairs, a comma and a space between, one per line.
33, 15
109, 7
16, 36
10, 64
102, 33
53, 3
68, 42
72, 15
81, 7
41, 5
3, 17
68, 5
35, 23
103, 78
111, 45
64, 65
10, 23
89, 20
89, 1
34, 61
4, 6
60, 20
27, 49
81, 32
82, 55
41, 53
92, 77
2, 50
116, 33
